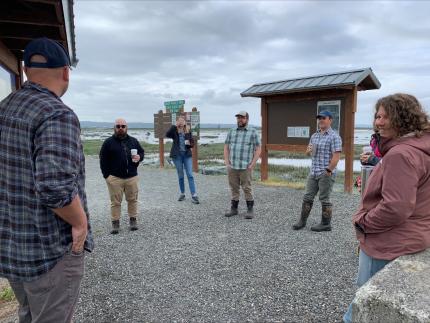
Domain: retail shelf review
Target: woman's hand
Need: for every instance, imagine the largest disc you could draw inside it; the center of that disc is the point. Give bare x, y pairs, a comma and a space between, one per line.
364, 158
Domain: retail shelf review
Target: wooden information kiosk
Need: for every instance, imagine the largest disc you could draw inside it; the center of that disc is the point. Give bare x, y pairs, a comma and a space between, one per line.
288, 110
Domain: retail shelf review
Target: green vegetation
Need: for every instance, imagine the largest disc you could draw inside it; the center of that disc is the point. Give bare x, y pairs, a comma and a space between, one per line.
7, 295
279, 175
92, 147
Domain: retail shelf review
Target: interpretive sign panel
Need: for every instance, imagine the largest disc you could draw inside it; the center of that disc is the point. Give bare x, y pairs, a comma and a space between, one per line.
298, 132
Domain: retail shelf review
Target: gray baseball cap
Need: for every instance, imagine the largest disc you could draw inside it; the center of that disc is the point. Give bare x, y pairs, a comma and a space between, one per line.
242, 113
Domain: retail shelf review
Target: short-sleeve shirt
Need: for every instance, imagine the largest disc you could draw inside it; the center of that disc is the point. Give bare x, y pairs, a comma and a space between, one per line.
325, 144
242, 143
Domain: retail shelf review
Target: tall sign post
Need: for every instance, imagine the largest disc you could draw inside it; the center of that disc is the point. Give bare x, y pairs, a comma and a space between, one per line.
164, 120
195, 129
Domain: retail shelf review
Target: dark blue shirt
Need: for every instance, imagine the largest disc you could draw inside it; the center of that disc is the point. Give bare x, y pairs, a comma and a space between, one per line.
42, 167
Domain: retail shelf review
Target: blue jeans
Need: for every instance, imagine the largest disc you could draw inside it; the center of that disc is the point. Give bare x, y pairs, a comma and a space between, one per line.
367, 267
182, 161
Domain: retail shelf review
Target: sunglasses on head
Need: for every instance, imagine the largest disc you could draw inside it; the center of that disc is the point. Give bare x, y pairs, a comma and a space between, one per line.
120, 126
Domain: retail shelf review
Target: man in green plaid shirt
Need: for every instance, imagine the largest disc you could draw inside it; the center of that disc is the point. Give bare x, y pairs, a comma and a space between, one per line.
241, 151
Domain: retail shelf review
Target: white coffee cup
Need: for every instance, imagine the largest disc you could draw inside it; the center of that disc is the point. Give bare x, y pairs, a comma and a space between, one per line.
133, 152
187, 142
314, 148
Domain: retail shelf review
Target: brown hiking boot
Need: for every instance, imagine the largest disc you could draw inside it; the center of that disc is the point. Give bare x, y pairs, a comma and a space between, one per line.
325, 220
306, 209
133, 224
115, 227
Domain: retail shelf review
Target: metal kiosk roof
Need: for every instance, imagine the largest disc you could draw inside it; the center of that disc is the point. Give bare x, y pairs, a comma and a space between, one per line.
363, 79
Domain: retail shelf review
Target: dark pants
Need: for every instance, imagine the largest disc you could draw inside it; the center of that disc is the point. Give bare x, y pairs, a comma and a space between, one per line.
321, 183
53, 296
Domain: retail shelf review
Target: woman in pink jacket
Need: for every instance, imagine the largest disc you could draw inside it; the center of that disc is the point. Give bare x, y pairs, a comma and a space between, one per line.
394, 215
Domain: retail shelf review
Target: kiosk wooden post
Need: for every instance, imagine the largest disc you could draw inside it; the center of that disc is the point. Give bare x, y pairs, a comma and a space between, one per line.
348, 141
161, 151
195, 151
264, 166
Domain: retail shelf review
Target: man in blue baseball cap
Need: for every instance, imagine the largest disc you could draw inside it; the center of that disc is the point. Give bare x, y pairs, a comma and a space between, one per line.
44, 219
325, 147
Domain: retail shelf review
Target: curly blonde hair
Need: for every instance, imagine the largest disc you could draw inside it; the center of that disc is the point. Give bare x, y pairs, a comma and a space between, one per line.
405, 113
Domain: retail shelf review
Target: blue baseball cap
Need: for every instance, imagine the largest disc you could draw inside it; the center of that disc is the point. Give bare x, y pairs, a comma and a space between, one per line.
325, 113
54, 53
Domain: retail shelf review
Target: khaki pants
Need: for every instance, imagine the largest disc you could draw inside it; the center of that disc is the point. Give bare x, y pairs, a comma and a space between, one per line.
238, 178
53, 296
117, 188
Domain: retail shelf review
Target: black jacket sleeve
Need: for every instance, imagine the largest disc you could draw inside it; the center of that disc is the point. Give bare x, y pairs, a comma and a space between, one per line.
140, 151
171, 132
104, 164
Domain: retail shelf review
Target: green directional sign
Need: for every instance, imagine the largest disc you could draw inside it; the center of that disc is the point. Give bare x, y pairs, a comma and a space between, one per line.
174, 106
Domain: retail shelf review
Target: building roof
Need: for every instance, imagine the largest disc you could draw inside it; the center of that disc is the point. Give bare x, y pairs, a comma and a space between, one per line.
363, 79
24, 20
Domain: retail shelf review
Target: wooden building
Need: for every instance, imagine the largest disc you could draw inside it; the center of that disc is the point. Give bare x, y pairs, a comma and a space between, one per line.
24, 20
289, 108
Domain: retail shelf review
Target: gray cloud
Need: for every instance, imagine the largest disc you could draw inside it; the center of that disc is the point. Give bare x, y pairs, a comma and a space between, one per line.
136, 54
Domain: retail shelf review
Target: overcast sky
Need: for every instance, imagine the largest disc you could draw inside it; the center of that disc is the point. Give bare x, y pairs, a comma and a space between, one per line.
134, 55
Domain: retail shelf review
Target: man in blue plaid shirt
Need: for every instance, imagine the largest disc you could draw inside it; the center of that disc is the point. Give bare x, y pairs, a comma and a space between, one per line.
241, 151
325, 147
44, 225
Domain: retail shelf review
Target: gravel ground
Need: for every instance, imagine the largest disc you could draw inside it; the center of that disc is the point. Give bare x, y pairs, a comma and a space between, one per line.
188, 263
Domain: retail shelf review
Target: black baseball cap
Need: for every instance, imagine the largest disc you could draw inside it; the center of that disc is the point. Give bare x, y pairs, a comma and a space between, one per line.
54, 53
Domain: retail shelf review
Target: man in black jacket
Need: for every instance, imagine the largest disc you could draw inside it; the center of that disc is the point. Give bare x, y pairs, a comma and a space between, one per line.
119, 158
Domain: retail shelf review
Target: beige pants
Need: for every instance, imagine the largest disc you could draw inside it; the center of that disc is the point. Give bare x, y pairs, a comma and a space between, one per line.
238, 178
117, 188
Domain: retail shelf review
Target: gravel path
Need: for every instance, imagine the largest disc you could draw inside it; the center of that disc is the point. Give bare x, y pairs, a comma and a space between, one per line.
188, 263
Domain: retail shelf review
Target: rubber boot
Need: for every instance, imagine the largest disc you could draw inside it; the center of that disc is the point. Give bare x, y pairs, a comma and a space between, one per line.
306, 209
133, 224
233, 209
115, 227
325, 220
250, 210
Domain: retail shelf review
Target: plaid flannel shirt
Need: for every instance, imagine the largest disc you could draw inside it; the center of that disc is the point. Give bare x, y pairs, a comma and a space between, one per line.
42, 167
242, 144
325, 143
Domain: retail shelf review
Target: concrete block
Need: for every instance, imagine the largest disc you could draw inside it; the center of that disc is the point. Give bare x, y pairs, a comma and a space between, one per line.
399, 293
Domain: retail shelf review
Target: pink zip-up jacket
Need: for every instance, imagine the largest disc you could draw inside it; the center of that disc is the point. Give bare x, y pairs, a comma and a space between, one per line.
394, 215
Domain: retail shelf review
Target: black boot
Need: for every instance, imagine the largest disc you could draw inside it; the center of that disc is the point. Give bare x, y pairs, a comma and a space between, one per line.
133, 224
325, 220
115, 227
306, 209
233, 209
250, 210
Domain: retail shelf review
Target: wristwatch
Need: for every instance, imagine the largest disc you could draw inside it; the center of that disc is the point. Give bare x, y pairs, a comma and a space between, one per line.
328, 170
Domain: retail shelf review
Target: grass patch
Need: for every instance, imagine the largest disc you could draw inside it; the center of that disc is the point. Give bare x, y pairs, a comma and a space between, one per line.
7, 295
274, 181
279, 175
207, 151
92, 147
